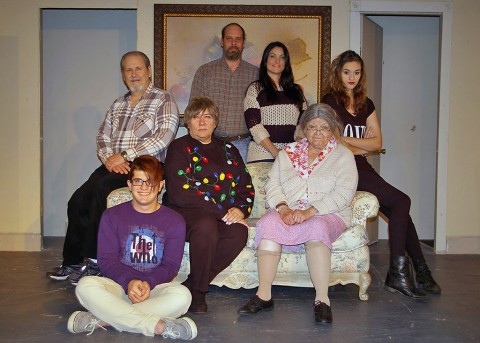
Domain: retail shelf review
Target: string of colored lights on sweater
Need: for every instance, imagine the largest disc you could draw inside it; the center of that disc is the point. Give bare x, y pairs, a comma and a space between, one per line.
220, 181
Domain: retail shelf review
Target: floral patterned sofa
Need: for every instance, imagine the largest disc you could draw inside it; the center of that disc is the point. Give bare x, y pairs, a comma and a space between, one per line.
350, 253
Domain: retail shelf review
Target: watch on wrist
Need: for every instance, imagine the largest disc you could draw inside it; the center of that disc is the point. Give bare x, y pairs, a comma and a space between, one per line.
124, 156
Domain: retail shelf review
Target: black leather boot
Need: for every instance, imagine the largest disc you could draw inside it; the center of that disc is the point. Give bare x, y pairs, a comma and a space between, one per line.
400, 279
424, 277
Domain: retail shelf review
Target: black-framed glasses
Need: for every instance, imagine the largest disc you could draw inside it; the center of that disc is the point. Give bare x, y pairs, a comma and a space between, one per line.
140, 182
322, 129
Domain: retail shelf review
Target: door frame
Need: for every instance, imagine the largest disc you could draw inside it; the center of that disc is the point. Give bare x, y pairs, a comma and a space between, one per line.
359, 8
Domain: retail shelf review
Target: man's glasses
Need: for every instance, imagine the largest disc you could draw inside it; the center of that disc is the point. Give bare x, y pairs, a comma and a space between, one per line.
140, 182
322, 129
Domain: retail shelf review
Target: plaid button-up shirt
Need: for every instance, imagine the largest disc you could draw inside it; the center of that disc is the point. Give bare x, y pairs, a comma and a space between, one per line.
227, 90
146, 129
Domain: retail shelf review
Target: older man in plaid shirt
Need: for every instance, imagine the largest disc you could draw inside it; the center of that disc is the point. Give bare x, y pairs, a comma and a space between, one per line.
142, 122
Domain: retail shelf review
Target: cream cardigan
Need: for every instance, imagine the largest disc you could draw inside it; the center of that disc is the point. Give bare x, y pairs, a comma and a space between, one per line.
331, 185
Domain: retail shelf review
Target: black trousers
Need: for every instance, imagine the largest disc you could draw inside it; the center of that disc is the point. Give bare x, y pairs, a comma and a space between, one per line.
84, 211
395, 205
213, 246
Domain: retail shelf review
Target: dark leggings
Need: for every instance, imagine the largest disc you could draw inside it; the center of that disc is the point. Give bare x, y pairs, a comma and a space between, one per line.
213, 246
84, 211
395, 205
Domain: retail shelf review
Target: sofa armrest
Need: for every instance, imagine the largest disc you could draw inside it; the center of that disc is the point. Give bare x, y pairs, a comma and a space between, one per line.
364, 205
352, 238
118, 196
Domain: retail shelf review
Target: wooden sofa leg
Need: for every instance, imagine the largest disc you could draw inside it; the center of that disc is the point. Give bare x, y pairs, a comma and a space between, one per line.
364, 282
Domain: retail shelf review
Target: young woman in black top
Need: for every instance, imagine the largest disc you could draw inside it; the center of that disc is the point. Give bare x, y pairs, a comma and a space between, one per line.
362, 134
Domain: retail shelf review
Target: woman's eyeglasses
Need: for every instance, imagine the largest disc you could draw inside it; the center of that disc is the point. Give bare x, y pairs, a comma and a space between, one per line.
322, 129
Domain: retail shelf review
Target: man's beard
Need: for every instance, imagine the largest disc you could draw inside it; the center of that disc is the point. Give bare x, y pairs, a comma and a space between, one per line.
136, 89
233, 56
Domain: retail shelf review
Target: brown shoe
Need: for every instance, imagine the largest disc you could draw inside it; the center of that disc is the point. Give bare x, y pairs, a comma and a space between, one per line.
255, 304
322, 313
198, 307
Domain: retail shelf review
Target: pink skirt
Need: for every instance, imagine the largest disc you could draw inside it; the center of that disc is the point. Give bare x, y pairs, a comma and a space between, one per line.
325, 228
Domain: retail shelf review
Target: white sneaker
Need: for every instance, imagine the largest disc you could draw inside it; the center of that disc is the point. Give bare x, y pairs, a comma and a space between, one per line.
81, 321
181, 328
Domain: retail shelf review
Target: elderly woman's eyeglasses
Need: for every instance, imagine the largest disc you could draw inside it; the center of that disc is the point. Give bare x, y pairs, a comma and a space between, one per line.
140, 182
322, 129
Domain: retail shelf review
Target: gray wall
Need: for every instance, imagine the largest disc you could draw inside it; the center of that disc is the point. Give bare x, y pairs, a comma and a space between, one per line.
81, 51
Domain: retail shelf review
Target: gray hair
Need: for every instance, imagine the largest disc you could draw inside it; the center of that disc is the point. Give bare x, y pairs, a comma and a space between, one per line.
325, 112
145, 58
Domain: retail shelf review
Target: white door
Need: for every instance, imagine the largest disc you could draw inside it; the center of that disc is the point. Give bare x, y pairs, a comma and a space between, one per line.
410, 113
371, 50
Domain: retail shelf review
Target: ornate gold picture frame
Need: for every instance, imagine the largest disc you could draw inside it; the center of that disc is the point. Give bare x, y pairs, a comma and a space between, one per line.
187, 36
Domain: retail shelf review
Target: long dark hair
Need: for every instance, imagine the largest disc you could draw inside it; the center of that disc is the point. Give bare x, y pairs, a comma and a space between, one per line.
337, 88
290, 88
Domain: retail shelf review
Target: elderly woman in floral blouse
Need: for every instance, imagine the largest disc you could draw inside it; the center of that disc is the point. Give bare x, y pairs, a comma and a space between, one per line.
207, 182
311, 185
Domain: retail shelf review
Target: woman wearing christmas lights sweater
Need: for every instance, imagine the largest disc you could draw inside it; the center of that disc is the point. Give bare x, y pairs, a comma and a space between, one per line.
208, 183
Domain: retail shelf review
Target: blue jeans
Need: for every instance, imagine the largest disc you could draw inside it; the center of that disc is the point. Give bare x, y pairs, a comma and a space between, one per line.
242, 146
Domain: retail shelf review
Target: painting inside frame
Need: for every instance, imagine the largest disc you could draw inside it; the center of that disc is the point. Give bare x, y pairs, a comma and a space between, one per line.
187, 36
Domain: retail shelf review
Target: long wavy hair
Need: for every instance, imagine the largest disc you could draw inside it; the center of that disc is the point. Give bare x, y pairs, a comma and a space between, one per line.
337, 88
292, 90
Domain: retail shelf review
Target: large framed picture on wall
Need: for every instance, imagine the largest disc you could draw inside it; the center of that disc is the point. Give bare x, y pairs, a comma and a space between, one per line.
187, 36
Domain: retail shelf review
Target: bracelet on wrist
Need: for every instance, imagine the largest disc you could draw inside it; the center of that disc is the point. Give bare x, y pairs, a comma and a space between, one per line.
280, 204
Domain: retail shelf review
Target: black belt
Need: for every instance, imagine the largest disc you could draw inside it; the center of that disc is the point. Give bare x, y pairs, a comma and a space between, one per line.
235, 138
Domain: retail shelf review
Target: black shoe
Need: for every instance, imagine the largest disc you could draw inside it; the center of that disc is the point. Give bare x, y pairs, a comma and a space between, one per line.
255, 304
424, 277
399, 278
63, 272
88, 268
322, 313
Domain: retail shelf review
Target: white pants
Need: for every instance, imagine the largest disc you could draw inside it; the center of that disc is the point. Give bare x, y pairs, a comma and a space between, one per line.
107, 301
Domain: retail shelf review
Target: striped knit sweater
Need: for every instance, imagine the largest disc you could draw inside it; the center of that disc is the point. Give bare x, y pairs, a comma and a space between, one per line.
277, 121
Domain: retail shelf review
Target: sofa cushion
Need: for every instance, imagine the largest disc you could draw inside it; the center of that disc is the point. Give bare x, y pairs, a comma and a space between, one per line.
259, 173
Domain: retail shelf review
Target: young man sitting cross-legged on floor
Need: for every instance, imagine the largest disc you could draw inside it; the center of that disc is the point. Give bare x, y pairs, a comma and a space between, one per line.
140, 248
